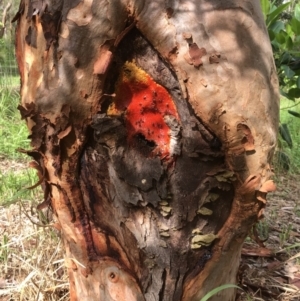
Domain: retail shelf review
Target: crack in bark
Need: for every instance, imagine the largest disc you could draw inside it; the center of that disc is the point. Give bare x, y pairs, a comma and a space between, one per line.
163, 280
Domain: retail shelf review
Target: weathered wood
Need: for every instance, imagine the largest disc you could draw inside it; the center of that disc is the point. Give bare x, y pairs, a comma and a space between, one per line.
153, 125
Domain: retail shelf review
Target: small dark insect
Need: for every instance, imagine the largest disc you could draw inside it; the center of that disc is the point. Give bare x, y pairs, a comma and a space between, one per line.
204, 259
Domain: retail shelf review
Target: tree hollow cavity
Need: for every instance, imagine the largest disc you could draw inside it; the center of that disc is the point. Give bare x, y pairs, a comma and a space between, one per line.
153, 176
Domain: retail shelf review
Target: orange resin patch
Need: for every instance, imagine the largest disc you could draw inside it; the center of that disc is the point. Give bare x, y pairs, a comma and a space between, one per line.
145, 104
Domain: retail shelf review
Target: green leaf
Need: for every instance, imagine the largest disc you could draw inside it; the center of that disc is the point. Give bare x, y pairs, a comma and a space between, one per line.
281, 37
272, 35
296, 114
288, 29
293, 93
297, 12
295, 24
284, 94
298, 82
285, 134
285, 58
289, 43
273, 16
289, 73
218, 289
283, 160
265, 7
296, 43
277, 26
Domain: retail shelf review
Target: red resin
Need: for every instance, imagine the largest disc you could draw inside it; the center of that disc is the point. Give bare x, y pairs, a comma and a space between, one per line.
146, 103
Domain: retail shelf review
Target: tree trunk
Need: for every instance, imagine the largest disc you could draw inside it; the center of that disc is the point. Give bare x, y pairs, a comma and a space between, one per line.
153, 124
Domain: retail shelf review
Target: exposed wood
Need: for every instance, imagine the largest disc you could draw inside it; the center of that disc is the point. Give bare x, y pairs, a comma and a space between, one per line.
153, 125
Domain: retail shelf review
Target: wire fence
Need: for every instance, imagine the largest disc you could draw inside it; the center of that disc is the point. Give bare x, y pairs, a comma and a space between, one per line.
9, 73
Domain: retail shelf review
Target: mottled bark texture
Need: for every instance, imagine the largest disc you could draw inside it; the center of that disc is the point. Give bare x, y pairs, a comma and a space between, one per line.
152, 125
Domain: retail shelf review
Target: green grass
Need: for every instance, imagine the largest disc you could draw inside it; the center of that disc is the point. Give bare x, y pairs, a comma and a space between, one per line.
293, 124
13, 130
10, 82
14, 174
14, 185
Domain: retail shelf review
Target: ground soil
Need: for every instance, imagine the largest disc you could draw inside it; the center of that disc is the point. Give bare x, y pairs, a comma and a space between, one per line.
270, 265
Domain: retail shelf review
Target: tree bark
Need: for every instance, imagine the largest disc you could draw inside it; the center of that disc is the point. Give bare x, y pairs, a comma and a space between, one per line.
152, 124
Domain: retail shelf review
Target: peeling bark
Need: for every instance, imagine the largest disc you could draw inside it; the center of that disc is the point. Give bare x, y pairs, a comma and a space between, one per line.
152, 124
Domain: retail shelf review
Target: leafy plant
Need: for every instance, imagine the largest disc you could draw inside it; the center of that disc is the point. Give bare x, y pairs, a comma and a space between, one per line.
284, 32
285, 40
